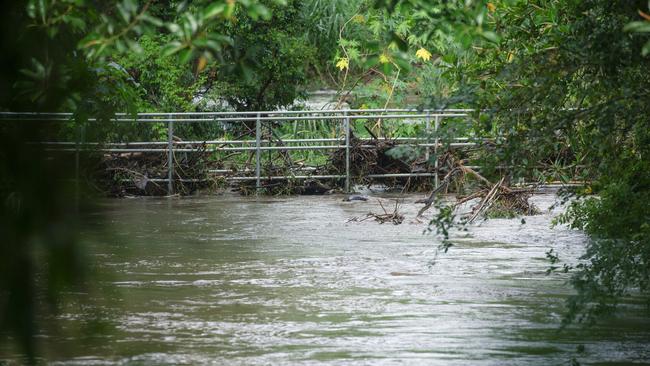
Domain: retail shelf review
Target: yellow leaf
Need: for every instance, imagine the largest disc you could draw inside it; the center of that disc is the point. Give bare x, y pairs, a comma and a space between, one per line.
384, 59
511, 56
423, 54
491, 7
359, 19
202, 63
343, 63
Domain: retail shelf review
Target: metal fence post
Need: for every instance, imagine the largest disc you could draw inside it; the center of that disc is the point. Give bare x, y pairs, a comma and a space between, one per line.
347, 152
170, 156
427, 130
435, 149
258, 153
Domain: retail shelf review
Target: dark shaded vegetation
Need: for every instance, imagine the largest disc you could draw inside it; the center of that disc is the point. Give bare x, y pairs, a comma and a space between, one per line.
56, 56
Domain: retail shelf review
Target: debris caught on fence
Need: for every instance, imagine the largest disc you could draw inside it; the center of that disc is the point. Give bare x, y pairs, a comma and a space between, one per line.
145, 173
367, 157
494, 200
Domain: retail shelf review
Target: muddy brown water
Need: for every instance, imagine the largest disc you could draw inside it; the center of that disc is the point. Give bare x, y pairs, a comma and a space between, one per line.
263, 281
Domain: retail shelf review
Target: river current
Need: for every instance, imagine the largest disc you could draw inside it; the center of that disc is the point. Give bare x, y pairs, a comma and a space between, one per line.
228, 280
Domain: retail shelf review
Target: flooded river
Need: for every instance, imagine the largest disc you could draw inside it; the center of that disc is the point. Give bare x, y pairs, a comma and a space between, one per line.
245, 281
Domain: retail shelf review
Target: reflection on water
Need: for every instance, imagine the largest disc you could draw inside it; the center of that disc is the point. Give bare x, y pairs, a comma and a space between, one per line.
231, 280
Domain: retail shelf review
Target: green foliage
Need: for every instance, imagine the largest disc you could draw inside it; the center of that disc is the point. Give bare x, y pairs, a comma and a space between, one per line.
162, 83
401, 53
444, 221
567, 88
166, 84
272, 55
325, 19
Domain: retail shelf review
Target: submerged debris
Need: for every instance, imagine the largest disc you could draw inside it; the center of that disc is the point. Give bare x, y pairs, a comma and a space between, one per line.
500, 201
395, 217
355, 197
495, 200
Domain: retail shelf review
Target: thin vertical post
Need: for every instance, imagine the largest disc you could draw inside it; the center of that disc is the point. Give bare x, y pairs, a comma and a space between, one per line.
76, 167
427, 130
170, 156
258, 152
436, 126
347, 152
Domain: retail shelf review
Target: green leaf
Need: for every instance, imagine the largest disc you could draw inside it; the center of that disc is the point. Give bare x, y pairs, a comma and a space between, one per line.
490, 36
171, 48
212, 45
31, 9
152, 20
76, 22
126, 16
185, 55
214, 10
221, 39
371, 62
259, 11
192, 23
42, 10
387, 68
638, 27
401, 44
353, 53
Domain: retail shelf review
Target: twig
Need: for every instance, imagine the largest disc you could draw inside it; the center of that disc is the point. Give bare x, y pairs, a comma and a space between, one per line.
487, 201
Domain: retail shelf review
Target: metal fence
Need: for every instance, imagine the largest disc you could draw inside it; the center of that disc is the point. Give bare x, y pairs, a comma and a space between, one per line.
431, 119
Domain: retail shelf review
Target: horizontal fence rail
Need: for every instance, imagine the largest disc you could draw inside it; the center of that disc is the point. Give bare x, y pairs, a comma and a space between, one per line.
349, 112
431, 119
